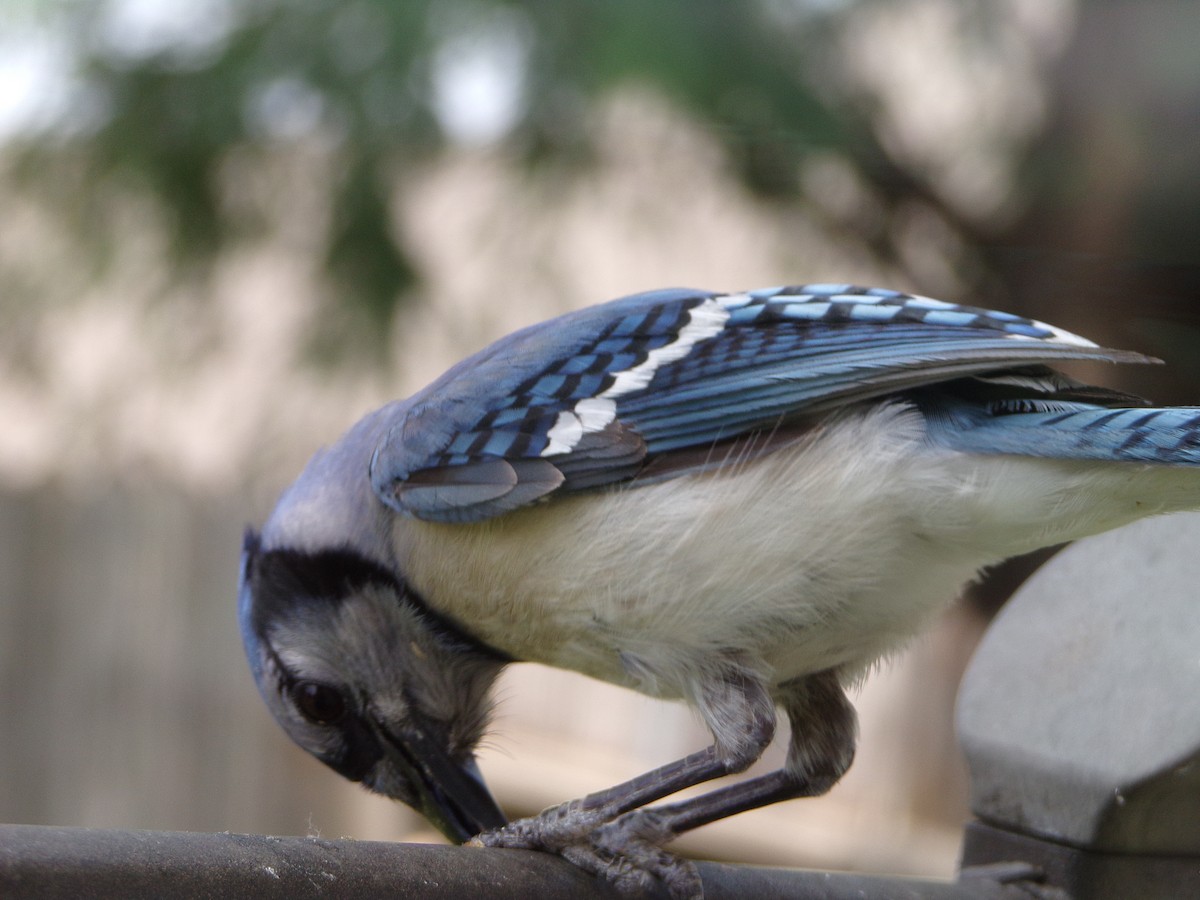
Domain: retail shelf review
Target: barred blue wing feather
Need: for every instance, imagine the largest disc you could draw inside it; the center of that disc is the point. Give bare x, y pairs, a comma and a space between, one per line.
591, 397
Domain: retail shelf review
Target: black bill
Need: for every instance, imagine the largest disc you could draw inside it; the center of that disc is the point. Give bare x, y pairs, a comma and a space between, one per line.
451, 795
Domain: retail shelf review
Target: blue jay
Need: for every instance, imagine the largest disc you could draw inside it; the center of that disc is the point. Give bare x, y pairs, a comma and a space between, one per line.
740, 500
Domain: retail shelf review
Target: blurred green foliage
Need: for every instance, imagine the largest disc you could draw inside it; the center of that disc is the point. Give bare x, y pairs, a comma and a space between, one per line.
163, 107
362, 78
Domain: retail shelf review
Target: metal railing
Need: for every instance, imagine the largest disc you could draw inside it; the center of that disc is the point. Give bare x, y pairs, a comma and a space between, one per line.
46, 862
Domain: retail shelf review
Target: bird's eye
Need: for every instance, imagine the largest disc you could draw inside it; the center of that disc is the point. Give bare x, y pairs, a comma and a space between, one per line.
319, 703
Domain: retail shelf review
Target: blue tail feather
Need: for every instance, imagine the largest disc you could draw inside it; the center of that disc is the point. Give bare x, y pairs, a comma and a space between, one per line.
1168, 436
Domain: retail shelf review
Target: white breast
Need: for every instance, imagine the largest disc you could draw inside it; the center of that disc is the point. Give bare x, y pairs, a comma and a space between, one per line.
828, 553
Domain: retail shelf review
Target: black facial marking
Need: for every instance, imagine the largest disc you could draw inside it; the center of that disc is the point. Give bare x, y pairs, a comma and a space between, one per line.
281, 580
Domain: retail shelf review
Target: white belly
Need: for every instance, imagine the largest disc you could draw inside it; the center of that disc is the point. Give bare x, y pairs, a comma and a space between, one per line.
825, 554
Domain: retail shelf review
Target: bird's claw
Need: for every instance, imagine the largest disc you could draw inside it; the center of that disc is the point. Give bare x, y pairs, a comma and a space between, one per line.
550, 830
635, 840
626, 851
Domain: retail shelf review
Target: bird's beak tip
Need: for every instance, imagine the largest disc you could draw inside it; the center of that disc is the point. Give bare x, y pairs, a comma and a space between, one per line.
450, 794
462, 807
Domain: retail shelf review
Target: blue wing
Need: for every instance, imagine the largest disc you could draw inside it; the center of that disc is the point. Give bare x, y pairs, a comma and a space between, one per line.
597, 396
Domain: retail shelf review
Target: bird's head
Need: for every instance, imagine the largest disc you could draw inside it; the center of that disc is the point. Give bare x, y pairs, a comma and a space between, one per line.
368, 680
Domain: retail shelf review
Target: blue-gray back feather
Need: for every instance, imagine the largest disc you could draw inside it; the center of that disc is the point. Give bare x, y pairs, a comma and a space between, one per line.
495, 432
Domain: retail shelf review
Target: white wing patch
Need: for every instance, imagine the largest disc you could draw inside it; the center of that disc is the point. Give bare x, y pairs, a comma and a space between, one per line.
596, 413
1061, 335
1058, 335
708, 319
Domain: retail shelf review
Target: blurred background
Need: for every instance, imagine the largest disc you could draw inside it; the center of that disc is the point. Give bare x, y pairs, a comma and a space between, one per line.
228, 228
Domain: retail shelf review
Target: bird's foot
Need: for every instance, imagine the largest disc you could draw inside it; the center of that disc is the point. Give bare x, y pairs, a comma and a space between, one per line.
626, 851
551, 830
632, 849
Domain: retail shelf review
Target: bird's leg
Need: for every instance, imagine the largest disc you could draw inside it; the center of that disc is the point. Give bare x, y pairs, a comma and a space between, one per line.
824, 727
737, 707
822, 747
610, 834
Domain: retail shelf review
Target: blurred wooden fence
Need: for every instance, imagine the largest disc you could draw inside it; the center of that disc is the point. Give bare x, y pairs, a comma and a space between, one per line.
124, 697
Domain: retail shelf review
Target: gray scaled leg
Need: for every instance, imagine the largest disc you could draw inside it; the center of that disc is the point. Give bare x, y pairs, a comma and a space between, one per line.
737, 707
824, 734
824, 730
